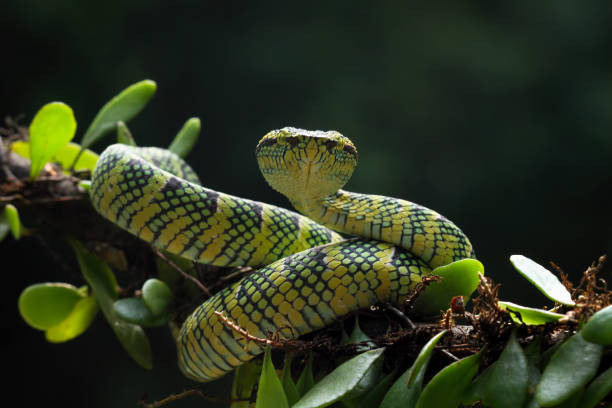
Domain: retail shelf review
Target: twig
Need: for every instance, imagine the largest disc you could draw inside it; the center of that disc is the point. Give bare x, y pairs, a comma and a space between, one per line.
182, 272
420, 287
398, 313
243, 332
238, 271
184, 394
449, 354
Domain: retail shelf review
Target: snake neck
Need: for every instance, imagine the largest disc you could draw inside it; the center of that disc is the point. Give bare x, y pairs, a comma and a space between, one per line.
420, 230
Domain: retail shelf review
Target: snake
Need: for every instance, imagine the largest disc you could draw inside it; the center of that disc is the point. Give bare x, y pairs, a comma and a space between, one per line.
342, 252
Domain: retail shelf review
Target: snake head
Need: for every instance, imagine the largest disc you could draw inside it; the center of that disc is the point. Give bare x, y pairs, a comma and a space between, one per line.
306, 165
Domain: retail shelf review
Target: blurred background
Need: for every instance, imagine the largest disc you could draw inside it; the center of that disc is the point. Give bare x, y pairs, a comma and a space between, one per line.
497, 115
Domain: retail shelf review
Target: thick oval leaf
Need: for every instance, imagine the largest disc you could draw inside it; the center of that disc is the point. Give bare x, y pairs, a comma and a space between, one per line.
52, 127
533, 353
529, 315
447, 387
599, 327
156, 296
124, 136
122, 107
133, 310
406, 390
598, 389
76, 323
373, 397
289, 385
246, 378
306, 380
4, 225
358, 336
104, 285
371, 378
135, 341
507, 385
476, 390
270, 393
459, 278
45, 305
186, 138
570, 368
542, 279
11, 215
574, 401
340, 382
64, 156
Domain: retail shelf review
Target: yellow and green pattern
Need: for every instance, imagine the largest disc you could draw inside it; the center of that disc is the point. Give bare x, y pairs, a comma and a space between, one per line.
312, 276
134, 188
294, 296
309, 168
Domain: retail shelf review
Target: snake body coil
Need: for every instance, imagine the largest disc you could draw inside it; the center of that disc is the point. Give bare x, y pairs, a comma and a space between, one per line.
153, 194
312, 276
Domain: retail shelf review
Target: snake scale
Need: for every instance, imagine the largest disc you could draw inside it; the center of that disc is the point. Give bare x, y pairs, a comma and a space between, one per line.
308, 274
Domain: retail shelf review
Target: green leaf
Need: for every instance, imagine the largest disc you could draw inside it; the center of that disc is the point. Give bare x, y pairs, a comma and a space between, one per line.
270, 393
124, 136
533, 353
358, 336
186, 138
447, 387
156, 296
12, 218
548, 353
133, 310
542, 279
64, 156
459, 278
122, 107
476, 390
598, 389
599, 327
529, 315
306, 380
571, 367
343, 381
406, 390
5, 227
574, 401
104, 285
76, 323
45, 305
373, 397
506, 386
289, 386
51, 129
372, 377
246, 378
85, 184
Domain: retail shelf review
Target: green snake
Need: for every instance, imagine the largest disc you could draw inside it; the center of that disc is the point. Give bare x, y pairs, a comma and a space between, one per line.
308, 275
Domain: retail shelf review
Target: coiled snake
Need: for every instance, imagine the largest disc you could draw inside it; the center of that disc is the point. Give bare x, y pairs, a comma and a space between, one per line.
309, 275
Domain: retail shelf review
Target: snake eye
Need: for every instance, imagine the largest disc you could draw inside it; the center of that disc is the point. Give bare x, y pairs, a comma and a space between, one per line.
349, 148
330, 145
293, 141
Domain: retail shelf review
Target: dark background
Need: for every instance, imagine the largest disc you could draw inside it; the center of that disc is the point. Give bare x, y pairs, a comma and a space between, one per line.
496, 115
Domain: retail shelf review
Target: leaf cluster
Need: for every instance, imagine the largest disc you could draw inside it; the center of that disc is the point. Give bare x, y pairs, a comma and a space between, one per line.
521, 373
